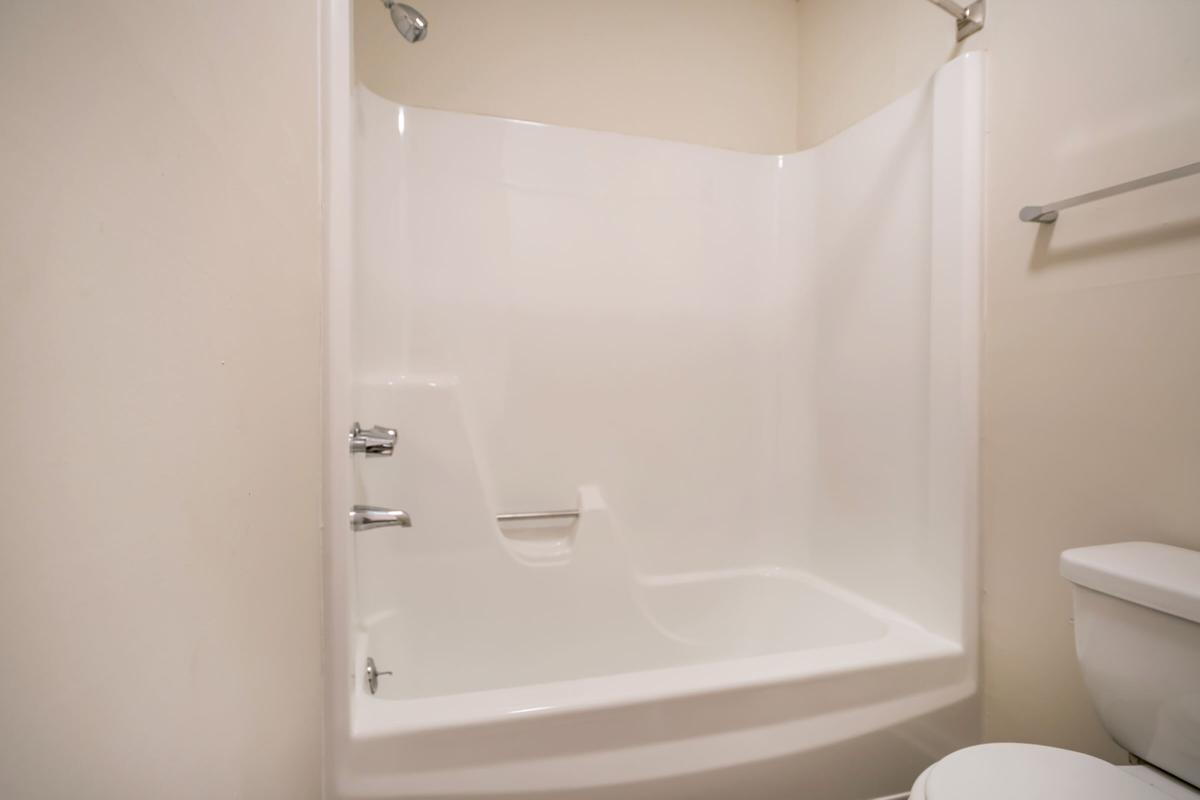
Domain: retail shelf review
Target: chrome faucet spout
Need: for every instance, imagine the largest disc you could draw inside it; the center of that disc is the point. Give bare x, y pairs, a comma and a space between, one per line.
364, 518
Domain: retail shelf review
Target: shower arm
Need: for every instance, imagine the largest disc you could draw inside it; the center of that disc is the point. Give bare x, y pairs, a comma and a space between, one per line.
969, 20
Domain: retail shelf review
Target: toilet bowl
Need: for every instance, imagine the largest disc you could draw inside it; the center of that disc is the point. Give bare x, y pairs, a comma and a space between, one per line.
1137, 638
1032, 772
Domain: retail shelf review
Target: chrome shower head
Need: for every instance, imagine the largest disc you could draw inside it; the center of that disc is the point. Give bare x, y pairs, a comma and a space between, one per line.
408, 20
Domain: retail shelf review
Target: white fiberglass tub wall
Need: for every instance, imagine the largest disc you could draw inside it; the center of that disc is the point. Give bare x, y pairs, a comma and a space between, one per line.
753, 376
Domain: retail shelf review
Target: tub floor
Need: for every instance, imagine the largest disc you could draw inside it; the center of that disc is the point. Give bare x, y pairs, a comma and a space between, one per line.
665, 621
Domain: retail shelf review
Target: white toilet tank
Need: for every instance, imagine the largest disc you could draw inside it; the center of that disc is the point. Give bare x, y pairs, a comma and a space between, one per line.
1137, 635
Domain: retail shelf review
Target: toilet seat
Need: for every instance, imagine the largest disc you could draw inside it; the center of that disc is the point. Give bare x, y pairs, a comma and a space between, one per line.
1027, 772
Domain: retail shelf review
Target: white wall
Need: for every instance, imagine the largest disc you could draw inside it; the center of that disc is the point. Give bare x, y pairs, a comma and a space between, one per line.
159, 407
705, 71
606, 302
742, 353
1091, 383
889, 252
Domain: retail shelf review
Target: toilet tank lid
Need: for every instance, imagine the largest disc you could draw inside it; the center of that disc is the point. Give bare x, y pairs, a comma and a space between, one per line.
1157, 576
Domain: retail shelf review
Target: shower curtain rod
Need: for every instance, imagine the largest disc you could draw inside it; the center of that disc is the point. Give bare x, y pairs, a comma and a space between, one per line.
969, 20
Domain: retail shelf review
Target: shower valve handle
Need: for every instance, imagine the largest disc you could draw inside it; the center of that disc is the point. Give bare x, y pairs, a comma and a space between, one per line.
374, 441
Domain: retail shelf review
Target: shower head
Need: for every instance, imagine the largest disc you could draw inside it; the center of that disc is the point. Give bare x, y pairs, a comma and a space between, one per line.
408, 20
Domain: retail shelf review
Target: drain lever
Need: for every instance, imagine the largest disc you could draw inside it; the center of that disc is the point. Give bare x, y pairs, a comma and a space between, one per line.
372, 675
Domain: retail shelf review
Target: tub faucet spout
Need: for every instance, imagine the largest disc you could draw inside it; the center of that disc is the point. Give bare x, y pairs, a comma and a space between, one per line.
364, 518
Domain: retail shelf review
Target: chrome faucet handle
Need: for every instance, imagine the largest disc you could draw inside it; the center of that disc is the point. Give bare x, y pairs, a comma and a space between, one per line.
364, 518
374, 441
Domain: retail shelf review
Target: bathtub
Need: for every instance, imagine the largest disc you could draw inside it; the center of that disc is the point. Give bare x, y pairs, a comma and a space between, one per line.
697, 685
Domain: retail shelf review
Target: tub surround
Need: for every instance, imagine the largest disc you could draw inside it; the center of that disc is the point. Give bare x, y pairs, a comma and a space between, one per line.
754, 377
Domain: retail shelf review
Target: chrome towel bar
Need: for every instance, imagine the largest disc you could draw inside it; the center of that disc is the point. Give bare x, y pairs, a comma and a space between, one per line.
1049, 213
534, 515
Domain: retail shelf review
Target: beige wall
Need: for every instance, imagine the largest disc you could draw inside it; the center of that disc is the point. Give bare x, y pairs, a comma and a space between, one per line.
1091, 420
160, 401
713, 72
856, 57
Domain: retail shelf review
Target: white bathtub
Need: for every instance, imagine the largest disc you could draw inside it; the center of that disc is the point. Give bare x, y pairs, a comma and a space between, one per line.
705, 684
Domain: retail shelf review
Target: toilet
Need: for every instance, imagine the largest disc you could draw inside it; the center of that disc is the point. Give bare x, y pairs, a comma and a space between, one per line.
1137, 637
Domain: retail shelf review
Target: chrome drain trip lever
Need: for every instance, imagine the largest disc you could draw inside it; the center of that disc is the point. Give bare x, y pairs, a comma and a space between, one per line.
372, 675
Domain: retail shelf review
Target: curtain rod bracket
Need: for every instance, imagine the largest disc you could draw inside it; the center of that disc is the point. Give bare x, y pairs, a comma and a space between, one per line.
972, 18
969, 20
